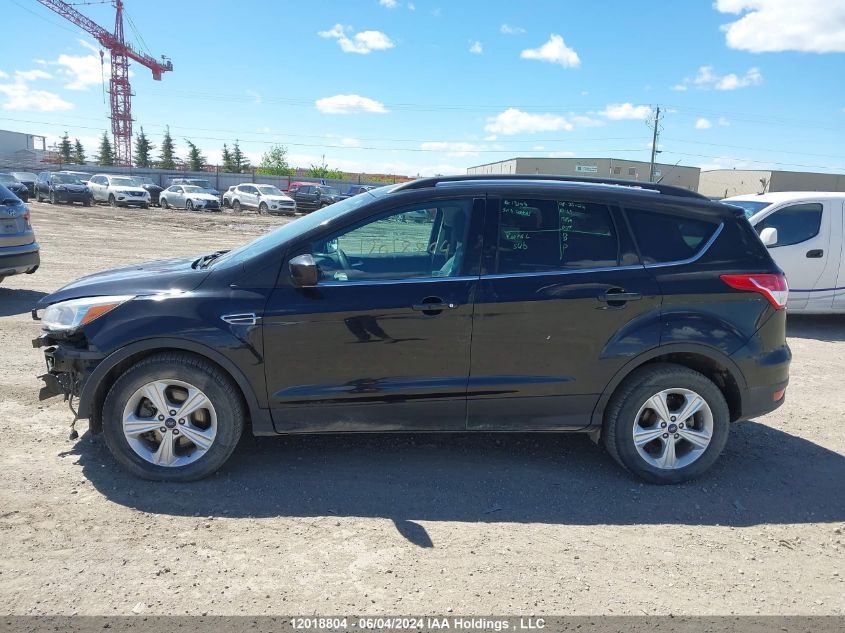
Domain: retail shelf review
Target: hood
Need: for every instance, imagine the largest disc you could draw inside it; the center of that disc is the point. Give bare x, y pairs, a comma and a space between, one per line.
281, 198
201, 196
59, 186
148, 278
130, 188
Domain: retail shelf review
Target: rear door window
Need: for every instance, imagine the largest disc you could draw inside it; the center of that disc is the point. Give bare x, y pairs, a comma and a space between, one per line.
795, 224
537, 235
664, 238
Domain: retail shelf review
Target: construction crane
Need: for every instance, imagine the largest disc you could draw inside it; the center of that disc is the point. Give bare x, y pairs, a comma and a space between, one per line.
119, 88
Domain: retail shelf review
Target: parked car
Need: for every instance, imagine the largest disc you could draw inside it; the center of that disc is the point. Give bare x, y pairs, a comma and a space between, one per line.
354, 190
804, 233
643, 314
15, 186
150, 187
202, 183
263, 198
62, 187
311, 197
188, 197
119, 191
27, 178
18, 248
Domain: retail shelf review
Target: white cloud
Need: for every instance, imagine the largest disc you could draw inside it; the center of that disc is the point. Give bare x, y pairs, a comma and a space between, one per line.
19, 96
348, 141
768, 26
702, 124
451, 148
4, 75
362, 43
707, 79
626, 111
349, 104
724, 122
390, 4
507, 29
515, 121
555, 51
411, 6
255, 96
493, 137
32, 75
476, 48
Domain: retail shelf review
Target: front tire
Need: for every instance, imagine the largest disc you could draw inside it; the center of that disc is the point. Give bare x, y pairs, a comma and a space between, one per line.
236, 206
666, 423
52, 197
112, 201
262, 208
163, 203
189, 205
173, 417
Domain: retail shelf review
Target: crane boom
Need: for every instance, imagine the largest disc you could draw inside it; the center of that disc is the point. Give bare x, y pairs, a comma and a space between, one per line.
119, 88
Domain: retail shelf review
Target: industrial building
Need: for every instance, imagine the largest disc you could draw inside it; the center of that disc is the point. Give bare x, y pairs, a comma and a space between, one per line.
677, 175
722, 183
19, 150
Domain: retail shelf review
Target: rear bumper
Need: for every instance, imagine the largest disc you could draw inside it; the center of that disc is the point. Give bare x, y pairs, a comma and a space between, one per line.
23, 260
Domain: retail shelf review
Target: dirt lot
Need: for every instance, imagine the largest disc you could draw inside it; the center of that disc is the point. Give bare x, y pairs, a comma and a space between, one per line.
397, 524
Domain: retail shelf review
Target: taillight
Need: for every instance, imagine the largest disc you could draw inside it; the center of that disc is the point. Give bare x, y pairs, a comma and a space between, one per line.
773, 287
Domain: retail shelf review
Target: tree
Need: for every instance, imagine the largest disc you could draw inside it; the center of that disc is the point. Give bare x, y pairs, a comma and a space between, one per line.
106, 155
274, 162
65, 149
241, 162
78, 153
167, 157
143, 147
196, 161
324, 171
228, 161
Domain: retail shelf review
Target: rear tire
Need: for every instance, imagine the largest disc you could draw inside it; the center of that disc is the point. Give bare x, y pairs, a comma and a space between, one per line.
696, 441
225, 418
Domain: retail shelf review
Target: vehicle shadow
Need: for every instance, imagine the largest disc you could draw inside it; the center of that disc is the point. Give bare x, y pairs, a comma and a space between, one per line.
822, 327
17, 301
764, 476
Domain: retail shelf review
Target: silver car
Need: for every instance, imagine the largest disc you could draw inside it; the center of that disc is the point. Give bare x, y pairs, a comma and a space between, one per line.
18, 248
188, 197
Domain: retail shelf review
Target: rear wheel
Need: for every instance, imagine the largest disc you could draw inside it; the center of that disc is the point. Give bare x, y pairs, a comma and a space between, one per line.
666, 423
173, 417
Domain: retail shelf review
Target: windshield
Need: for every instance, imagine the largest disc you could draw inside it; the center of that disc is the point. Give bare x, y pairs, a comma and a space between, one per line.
749, 206
6, 179
68, 179
192, 189
328, 190
143, 180
294, 229
24, 175
269, 190
204, 184
124, 182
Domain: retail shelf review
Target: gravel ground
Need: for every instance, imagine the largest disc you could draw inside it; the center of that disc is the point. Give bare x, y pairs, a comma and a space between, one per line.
403, 524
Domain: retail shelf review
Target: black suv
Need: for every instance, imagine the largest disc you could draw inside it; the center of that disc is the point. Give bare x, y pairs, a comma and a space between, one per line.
63, 187
644, 315
313, 197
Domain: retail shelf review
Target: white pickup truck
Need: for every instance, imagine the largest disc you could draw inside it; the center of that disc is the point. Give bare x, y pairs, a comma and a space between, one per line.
804, 233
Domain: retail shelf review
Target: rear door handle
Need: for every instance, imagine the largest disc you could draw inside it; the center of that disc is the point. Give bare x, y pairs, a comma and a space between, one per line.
816, 253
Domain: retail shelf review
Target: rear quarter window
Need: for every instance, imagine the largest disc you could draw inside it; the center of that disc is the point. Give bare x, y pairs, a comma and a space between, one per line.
663, 238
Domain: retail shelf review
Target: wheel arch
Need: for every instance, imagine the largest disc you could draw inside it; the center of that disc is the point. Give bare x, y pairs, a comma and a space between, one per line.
97, 386
710, 362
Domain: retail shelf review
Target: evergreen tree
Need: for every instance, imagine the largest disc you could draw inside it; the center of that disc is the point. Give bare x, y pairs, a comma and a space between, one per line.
143, 148
275, 162
78, 153
106, 155
228, 161
241, 162
65, 149
196, 161
167, 157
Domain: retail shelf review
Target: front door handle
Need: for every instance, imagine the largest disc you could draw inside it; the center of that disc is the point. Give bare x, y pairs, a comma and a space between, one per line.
816, 253
433, 305
618, 296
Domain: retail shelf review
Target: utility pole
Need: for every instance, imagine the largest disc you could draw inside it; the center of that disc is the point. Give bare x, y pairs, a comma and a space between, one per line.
654, 150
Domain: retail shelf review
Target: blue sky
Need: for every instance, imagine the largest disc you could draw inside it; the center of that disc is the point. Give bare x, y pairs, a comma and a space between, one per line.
434, 87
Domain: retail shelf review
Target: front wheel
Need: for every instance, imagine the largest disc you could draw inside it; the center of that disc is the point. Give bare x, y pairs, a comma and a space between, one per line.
262, 208
189, 205
666, 423
173, 417
163, 203
112, 201
236, 206
52, 197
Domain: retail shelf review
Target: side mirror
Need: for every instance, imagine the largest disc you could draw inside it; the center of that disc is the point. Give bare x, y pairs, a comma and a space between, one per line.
769, 236
303, 271
258, 194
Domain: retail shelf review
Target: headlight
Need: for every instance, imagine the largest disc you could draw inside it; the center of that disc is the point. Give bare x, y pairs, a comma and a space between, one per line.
69, 315
58, 187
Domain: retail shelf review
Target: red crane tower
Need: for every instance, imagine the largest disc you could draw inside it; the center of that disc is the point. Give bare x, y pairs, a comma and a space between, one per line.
119, 88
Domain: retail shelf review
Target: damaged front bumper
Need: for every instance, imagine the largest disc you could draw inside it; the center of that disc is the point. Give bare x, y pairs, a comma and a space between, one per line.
69, 364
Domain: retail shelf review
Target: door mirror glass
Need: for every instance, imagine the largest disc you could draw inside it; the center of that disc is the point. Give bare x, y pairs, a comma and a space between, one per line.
769, 235
303, 271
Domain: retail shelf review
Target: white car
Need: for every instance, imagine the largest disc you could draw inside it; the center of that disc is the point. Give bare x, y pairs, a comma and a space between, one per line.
804, 233
118, 191
263, 198
188, 197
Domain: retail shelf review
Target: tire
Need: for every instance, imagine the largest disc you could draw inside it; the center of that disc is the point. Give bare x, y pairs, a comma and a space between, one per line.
163, 203
629, 410
189, 205
112, 201
52, 197
262, 208
236, 206
86, 202
227, 411
145, 206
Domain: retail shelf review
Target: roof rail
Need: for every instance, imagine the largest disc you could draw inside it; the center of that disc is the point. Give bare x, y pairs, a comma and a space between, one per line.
667, 190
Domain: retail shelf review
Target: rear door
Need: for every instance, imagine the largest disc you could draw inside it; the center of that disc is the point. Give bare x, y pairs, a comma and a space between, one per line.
803, 251
562, 304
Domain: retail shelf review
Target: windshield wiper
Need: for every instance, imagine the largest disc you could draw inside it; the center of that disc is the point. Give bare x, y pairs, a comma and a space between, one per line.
205, 260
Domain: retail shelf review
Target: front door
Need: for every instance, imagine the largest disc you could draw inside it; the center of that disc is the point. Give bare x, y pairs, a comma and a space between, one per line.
803, 251
383, 342
562, 305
